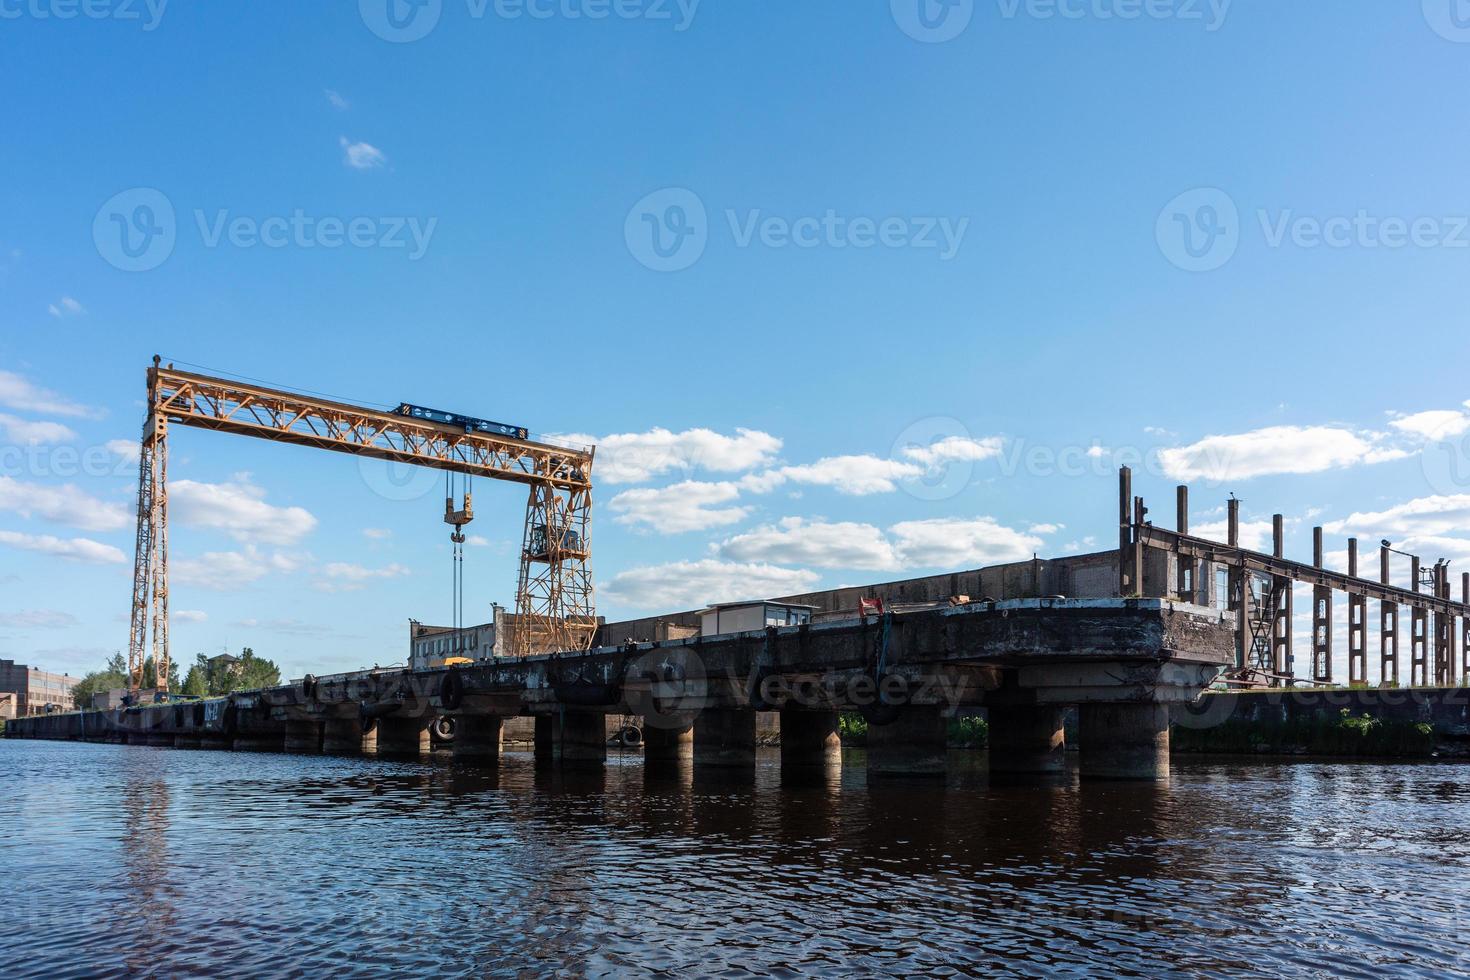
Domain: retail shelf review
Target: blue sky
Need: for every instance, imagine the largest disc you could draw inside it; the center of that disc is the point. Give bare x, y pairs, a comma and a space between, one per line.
903, 264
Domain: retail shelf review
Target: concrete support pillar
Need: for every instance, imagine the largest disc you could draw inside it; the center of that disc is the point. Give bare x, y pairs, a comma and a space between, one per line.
581, 738
304, 737
725, 738
809, 739
477, 739
160, 740
913, 745
1027, 740
667, 745
545, 740
344, 736
403, 736
185, 741
1124, 741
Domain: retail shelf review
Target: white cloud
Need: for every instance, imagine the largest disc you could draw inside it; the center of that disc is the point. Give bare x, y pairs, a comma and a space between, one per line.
72, 549
239, 509
38, 619
361, 156
954, 449
478, 541
230, 571
287, 627
62, 505
1441, 424
377, 533
65, 307
1045, 528
125, 449
632, 457
1254, 535
690, 584
1273, 450
27, 432
687, 506
855, 476
188, 615
1437, 515
336, 100
794, 541
960, 542
344, 576
17, 392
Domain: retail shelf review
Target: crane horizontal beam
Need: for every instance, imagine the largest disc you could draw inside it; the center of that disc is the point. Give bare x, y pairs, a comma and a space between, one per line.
245, 409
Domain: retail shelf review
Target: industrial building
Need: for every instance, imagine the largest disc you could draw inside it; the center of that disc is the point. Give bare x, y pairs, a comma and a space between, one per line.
35, 691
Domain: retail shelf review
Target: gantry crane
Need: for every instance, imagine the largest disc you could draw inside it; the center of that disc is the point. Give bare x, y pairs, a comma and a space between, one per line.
554, 596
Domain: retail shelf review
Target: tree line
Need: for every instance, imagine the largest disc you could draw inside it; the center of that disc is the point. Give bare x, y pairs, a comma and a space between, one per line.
205, 678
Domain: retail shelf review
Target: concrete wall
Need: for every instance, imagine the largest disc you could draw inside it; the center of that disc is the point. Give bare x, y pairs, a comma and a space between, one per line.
1092, 576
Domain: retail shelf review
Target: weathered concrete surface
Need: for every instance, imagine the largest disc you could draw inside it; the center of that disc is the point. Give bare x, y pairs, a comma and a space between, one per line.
809, 738
1390, 722
1124, 741
1017, 654
913, 742
1027, 740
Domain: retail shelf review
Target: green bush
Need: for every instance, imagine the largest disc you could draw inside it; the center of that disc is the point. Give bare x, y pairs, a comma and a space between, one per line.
1343, 734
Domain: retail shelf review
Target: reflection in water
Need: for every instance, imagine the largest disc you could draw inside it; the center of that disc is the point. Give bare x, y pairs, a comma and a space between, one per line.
128, 859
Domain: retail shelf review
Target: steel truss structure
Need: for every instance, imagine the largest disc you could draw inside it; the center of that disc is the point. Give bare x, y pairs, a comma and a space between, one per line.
554, 599
1264, 635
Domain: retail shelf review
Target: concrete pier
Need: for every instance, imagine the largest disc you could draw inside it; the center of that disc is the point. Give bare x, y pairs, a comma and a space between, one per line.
403, 737
581, 739
304, 737
477, 739
345, 736
667, 745
1124, 741
724, 738
545, 741
809, 739
913, 745
1027, 740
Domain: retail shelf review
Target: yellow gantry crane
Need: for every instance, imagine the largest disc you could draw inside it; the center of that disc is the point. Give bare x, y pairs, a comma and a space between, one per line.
554, 596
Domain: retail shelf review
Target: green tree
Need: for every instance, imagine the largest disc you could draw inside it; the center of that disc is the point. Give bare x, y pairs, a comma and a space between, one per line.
196, 682
112, 676
254, 672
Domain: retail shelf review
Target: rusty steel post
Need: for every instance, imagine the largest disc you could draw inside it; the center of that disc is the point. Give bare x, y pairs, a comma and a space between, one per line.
1357, 624
1321, 618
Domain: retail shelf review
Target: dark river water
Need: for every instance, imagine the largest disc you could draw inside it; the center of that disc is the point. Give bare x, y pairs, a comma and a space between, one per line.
120, 860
